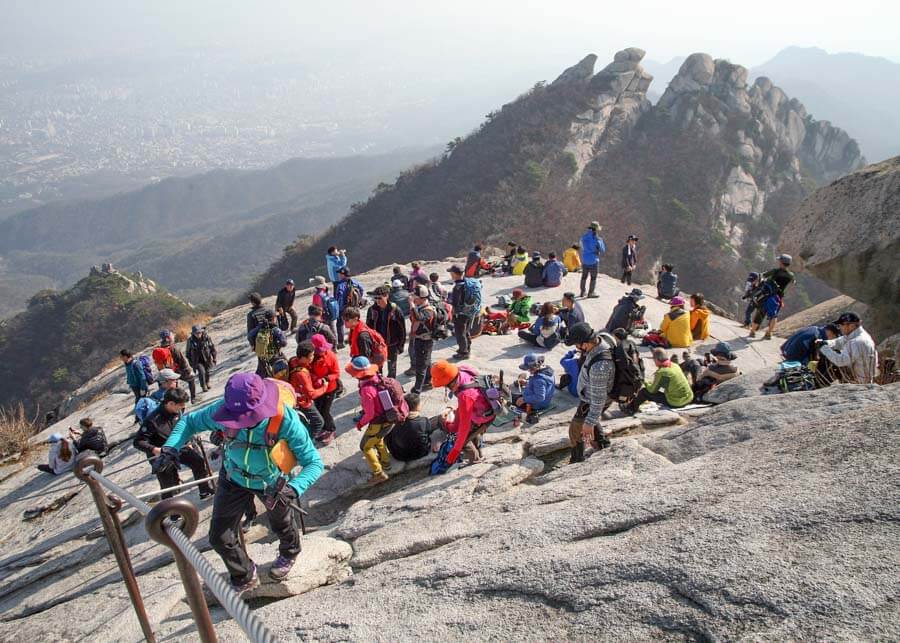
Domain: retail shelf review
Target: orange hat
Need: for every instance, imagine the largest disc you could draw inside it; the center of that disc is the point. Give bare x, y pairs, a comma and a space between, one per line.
443, 372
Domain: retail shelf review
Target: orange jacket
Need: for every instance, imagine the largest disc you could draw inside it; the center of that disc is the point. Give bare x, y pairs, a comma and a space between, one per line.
302, 382
325, 367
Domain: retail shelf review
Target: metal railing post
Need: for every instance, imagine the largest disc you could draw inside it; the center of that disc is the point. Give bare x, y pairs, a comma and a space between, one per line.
115, 537
182, 509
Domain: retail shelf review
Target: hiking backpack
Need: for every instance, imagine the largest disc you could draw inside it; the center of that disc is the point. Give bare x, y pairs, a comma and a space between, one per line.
471, 303
306, 330
390, 396
354, 294
493, 390
146, 365
265, 345
629, 375
283, 321
163, 358
794, 376
440, 328
379, 347
143, 408
94, 439
330, 308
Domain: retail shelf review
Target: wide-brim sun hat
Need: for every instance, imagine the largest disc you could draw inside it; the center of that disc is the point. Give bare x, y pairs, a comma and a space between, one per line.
723, 349
249, 399
360, 367
320, 344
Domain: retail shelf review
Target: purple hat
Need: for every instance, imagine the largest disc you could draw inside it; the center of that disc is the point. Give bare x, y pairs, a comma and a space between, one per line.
249, 399
676, 301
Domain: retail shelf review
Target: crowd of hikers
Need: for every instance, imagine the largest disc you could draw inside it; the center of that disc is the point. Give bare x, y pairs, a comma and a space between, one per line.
269, 425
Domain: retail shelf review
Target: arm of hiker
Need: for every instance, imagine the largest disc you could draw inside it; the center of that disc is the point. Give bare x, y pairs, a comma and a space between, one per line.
364, 342
367, 397
142, 442
841, 358
193, 423
297, 438
463, 423
598, 386
653, 386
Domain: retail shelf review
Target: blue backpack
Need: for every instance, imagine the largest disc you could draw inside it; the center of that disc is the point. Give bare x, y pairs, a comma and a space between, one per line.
439, 465
472, 303
146, 366
330, 308
144, 407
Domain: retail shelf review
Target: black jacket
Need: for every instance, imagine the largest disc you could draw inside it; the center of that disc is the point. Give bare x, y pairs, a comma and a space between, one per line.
410, 440
255, 317
155, 430
284, 299
389, 322
201, 351
621, 314
534, 274
306, 329
629, 257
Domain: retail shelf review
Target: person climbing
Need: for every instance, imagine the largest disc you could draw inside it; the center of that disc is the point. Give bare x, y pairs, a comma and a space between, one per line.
719, 369
325, 368
534, 271
388, 319
61, 457
398, 276
750, 286
592, 250
267, 341
411, 439
519, 261
152, 435
801, 346
257, 314
423, 317
175, 360
669, 385
135, 374
284, 303
466, 301
519, 309
308, 391
315, 325
699, 316
201, 353
383, 406
770, 299
570, 313
853, 352
676, 325
536, 393
546, 330
594, 383
572, 258
335, 261
364, 340
327, 303
264, 442
475, 264
667, 282
554, 271
167, 380
626, 312
349, 293
474, 411
629, 259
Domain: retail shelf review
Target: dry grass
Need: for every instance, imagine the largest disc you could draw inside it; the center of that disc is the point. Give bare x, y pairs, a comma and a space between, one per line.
15, 430
182, 329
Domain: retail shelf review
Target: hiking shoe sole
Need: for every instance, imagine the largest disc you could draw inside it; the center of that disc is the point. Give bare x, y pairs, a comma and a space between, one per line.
377, 479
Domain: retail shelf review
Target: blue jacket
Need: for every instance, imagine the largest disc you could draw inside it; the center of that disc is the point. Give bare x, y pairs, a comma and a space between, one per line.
554, 324
798, 347
554, 271
572, 366
592, 248
539, 390
572, 317
134, 375
333, 263
342, 289
240, 459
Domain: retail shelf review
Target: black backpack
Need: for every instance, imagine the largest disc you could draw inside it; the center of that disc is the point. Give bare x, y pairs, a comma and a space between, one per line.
439, 329
94, 439
629, 377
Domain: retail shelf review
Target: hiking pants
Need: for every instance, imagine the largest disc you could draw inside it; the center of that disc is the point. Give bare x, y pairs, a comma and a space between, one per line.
373, 448
461, 328
293, 315
138, 393
168, 477
313, 420
323, 406
340, 333
393, 351
472, 449
421, 351
528, 336
748, 313
626, 276
202, 375
232, 502
576, 438
592, 271
644, 396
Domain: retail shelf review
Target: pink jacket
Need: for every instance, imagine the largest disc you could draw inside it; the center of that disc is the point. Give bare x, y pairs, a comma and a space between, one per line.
472, 409
368, 397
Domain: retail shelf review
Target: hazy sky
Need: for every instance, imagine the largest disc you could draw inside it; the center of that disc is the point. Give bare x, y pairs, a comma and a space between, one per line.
510, 33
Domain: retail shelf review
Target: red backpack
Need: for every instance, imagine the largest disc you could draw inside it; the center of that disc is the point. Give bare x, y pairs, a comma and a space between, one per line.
379, 346
162, 357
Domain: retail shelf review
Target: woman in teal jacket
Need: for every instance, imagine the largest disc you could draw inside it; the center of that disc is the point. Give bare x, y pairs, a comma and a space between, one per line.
248, 470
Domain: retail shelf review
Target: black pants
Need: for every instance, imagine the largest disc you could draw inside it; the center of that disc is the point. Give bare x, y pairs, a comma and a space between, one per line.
422, 350
231, 503
138, 393
393, 351
168, 477
340, 332
592, 271
644, 396
323, 406
192, 385
202, 375
313, 421
462, 325
626, 276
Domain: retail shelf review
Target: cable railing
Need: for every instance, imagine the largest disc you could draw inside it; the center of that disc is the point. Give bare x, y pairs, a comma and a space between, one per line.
171, 522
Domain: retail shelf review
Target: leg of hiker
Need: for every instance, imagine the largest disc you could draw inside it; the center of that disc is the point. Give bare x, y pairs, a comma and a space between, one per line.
46, 469
192, 387
592, 271
372, 447
202, 376
293, 315
138, 393
422, 351
231, 503
284, 525
197, 465
461, 325
644, 396
472, 449
584, 278
315, 424
392, 361
323, 404
527, 336
576, 440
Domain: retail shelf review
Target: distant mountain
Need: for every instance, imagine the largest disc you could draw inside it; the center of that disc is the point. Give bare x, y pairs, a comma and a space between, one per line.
64, 338
861, 93
662, 73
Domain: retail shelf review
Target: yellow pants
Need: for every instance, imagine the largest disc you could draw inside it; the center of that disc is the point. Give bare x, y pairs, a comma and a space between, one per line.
373, 449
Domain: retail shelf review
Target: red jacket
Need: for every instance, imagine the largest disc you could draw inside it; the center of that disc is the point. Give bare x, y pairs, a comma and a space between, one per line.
472, 409
302, 382
326, 367
364, 341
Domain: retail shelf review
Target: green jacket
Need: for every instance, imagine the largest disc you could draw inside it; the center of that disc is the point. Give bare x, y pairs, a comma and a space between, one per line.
676, 386
241, 460
521, 309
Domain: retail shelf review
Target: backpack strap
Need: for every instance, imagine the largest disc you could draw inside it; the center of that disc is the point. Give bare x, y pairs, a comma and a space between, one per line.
274, 426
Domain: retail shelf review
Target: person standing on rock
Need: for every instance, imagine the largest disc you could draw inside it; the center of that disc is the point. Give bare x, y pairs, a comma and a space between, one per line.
335, 261
423, 316
315, 325
466, 301
325, 367
592, 250
853, 352
349, 293
257, 314
595, 382
264, 443
267, 341
331, 310
629, 259
308, 391
284, 303
670, 386
201, 353
387, 318
771, 299
135, 375
179, 362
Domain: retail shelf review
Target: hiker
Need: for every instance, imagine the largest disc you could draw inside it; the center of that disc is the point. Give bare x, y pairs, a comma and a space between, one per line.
308, 391
335, 261
364, 341
284, 303
155, 430
136, 374
201, 353
519, 309
383, 406
424, 319
167, 380
175, 360
398, 276
592, 250
853, 352
667, 282
536, 392
676, 325
260, 430
801, 346
718, 369
750, 285
88, 437
411, 439
328, 304
417, 275
570, 313
669, 385
629, 259
325, 367
571, 363
474, 411
770, 297
398, 295
534, 271
466, 301
626, 312
257, 314
61, 457
699, 316
475, 265
388, 319
594, 383
692, 367
438, 292
545, 332
554, 271
314, 325
508, 258
572, 258
267, 341
349, 293
519, 261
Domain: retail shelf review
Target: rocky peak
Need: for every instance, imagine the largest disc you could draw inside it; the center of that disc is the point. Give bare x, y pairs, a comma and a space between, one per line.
133, 284
578, 73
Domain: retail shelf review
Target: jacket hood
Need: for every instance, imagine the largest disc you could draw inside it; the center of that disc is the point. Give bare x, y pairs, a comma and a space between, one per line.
675, 313
546, 372
703, 313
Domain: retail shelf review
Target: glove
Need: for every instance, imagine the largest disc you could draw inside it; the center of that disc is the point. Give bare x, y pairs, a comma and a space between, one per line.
167, 458
217, 437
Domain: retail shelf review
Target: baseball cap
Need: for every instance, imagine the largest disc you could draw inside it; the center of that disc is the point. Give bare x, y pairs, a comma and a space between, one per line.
847, 318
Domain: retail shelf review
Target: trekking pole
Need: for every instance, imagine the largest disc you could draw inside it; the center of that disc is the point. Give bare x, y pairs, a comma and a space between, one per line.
112, 527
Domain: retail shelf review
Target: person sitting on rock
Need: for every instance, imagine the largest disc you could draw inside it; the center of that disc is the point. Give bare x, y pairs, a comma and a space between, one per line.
801, 346
545, 332
570, 313
554, 271
88, 437
692, 367
719, 370
61, 457
853, 352
572, 258
669, 385
284, 303
508, 257
626, 312
676, 325
667, 282
398, 276
411, 439
475, 265
519, 309
699, 317
534, 271
594, 383
534, 392
771, 298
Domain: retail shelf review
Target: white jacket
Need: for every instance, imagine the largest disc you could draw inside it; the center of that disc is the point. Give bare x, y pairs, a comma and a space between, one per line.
856, 353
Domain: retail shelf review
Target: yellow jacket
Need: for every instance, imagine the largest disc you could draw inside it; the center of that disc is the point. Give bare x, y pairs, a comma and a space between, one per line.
676, 327
700, 323
572, 259
518, 264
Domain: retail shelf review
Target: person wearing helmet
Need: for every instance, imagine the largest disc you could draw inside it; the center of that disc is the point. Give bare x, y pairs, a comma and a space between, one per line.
474, 412
595, 381
771, 299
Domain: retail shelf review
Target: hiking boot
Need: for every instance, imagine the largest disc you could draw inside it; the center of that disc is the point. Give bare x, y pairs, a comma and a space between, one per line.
752, 333
458, 356
240, 588
377, 478
206, 493
593, 295
767, 336
281, 567
532, 418
428, 387
577, 453
325, 438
